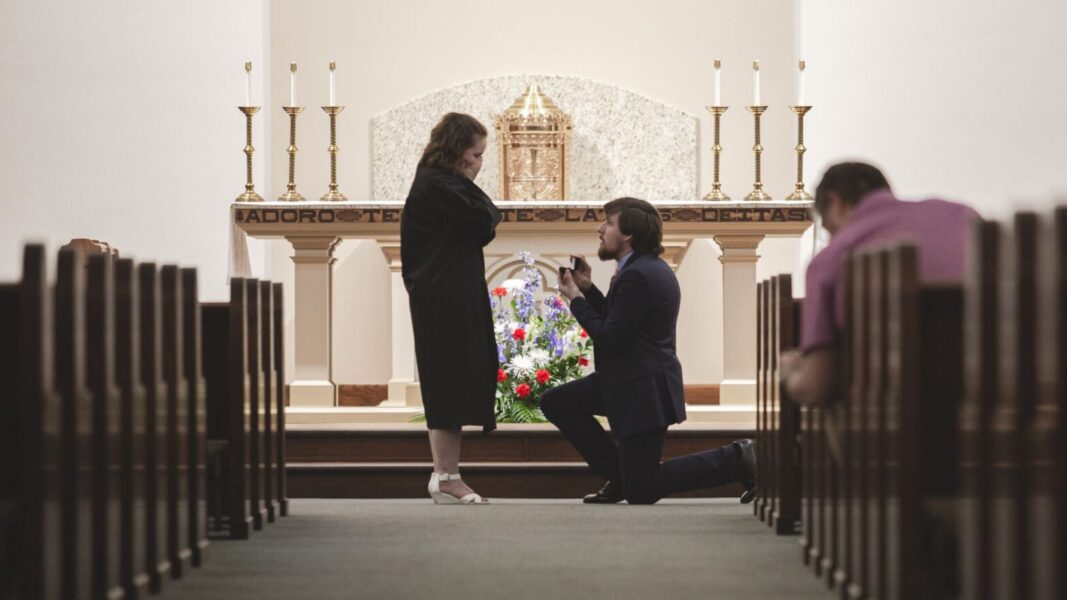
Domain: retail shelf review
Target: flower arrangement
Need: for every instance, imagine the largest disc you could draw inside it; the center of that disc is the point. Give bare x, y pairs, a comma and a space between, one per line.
539, 345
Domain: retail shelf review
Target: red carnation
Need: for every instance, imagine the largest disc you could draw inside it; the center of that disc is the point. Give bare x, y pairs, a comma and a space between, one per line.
583, 334
500, 292
583, 361
543, 376
501, 375
522, 390
520, 334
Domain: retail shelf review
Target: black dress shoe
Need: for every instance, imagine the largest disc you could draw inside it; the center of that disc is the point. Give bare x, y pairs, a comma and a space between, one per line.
611, 493
746, 469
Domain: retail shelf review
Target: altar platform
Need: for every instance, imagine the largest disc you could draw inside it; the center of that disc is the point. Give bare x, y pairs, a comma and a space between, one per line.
388, 460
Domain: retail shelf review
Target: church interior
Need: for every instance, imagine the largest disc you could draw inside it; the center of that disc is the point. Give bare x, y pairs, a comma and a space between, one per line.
211, 349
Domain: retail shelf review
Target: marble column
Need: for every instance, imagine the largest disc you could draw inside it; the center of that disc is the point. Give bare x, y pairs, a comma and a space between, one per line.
739, 317
313, 265
403, 384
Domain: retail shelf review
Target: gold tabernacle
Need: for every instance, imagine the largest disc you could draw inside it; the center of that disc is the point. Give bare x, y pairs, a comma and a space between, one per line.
534, 135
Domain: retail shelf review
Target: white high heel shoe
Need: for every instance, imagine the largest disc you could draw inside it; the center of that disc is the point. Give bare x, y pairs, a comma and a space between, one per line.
440, 497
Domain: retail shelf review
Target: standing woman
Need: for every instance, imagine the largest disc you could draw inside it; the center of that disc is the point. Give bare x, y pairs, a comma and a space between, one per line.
446, 222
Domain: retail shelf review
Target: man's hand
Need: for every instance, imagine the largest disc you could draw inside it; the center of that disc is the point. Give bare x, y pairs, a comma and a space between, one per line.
809, 379
583, 273
788, 362
567, 285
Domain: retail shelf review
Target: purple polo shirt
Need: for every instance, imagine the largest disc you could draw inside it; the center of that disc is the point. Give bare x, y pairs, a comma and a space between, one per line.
939, 228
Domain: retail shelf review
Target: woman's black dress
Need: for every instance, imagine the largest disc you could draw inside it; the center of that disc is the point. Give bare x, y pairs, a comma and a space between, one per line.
446, 222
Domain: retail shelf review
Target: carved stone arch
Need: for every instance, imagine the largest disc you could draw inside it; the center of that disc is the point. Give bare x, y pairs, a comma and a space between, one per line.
622, 143
510, 267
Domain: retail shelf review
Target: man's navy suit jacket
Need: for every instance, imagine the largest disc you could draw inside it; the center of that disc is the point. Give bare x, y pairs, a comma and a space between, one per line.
634, 345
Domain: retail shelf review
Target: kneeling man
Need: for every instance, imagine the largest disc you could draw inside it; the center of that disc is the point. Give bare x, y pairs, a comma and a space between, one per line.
637, 383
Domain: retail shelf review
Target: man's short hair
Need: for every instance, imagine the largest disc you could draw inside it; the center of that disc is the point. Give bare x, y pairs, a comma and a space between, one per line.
852, 181
641, 220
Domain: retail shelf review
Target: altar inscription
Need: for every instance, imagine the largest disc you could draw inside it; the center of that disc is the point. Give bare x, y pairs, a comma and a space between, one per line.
327, 216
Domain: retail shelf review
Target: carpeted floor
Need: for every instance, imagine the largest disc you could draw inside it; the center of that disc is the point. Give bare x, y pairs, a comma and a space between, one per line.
511, 549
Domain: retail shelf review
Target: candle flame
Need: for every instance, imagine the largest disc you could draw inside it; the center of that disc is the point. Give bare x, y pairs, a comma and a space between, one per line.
248, 66
755, 65
803, 65
333, 65
718, 63
292, 67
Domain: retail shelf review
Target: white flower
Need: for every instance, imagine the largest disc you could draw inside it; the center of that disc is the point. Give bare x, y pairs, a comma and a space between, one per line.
539, 356
513, 284
521, 365
499, 327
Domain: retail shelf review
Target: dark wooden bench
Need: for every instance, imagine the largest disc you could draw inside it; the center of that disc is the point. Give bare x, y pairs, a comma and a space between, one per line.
225, 364
778, 418
30, 489
132, 427
156, 491
244, 375
105, 418
196, 415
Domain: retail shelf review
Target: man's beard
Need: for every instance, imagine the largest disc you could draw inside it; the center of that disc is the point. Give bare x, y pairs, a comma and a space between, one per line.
604, 254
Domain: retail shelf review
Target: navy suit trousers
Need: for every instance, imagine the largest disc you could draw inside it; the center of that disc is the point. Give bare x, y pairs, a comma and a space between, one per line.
633, 461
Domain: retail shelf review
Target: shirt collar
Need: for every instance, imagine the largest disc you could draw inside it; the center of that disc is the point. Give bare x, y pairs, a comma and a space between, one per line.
623, 261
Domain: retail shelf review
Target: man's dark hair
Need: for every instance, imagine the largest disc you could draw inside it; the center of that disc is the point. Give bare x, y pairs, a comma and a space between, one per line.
450, 138
641, 220
852, 181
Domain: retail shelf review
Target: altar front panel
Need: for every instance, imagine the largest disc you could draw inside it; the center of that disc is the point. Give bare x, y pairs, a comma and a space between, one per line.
551, 232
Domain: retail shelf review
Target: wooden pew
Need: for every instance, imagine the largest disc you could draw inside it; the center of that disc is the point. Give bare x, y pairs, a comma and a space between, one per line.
924, 357
266, 312
279, 400
177, 435
105, 421
155, 419
1011, 411
759, 507
132, 449
256, 456
73, 441
981, 384
854, 433
196, 415
226, 374
1058, 312
785, 414
30, 489
1046, 432
835, 436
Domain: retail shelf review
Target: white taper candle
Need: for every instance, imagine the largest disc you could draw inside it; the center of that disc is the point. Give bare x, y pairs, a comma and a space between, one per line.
292, 84
333, 100
718, 83
755, 83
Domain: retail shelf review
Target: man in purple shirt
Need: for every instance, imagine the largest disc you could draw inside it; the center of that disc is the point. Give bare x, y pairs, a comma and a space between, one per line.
858, 208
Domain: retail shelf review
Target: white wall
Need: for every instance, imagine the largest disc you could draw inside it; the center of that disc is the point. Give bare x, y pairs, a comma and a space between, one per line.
120, 124
388, 53
958, 99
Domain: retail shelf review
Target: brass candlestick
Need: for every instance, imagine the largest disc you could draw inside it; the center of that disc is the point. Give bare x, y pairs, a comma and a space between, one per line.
757, 192
716, 192
799, 193
291, 195
333, 195
250, 194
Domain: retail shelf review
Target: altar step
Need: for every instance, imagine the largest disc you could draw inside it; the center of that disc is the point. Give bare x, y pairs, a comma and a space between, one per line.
739, 416
516, 461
